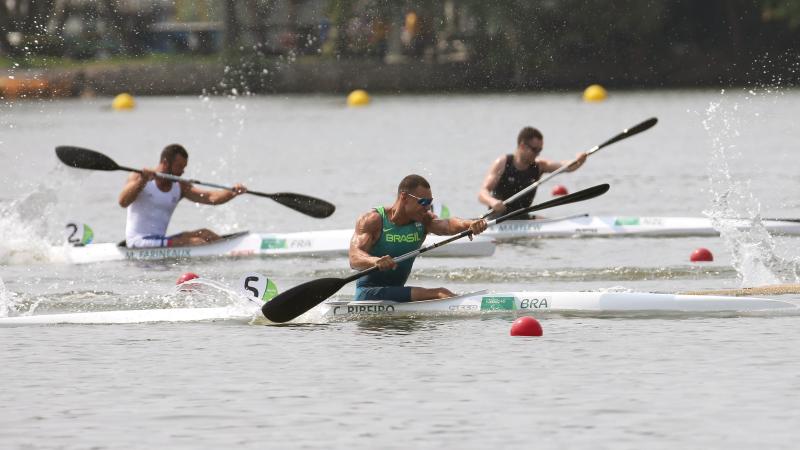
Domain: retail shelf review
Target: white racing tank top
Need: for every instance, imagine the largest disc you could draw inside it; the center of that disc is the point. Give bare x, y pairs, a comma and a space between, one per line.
150, 213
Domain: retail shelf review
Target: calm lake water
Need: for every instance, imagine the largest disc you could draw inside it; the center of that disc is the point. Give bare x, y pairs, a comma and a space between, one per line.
605, 381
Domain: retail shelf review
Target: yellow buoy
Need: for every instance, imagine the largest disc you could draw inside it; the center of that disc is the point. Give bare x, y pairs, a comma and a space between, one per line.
123, 102
359, 97
595, 93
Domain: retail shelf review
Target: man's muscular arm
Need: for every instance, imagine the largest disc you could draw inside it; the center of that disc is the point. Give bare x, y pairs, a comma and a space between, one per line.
133, 187
367, 232
490, 182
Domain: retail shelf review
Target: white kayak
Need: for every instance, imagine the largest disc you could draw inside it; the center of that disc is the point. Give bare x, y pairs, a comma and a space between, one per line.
309, 243
483, 302
611, 226
470, 304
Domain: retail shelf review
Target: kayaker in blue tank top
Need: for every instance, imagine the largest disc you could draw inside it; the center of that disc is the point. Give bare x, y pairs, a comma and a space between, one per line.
390, 231
512, 173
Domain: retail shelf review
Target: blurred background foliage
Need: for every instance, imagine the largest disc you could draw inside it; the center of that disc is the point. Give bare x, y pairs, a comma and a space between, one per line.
509, 42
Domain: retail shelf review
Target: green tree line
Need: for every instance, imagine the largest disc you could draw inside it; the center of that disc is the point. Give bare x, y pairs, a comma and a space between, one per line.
521, 43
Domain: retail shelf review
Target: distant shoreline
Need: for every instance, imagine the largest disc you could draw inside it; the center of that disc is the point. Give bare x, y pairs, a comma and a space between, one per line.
192, 77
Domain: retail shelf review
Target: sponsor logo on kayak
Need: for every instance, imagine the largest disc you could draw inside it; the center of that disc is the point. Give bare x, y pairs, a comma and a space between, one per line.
464, 307
515, 226
652, 221
362, 309
158, 253
299, 243
534, 303
497, 303
410, 237
624, 221
272, 243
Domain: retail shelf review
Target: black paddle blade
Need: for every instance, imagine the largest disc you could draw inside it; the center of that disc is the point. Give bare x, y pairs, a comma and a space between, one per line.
310, 206
646, 125
299, 299
83, 158
586, 194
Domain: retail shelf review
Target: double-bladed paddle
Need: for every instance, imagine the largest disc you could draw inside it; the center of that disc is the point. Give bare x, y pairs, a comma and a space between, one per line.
83, 158
301, 298
626, 133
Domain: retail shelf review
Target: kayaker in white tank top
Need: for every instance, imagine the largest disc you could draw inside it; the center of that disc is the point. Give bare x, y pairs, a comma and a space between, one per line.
151, 201
149, 215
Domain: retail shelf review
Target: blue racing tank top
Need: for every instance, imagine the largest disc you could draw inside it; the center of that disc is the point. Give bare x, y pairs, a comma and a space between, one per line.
395, 240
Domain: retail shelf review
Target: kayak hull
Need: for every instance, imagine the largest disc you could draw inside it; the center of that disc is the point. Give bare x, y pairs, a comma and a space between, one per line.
130, 316
529, 301
585, 225
477, 303
314, 243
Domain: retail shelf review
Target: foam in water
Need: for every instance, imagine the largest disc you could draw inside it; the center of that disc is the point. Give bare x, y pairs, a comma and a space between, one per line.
13, 304
202, 292
753, 249
4, 299
191, 301
25, 229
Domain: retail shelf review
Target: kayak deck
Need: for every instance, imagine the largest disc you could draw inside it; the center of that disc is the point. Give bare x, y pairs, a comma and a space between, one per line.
244, 244
586, 225
476, 303
481, 302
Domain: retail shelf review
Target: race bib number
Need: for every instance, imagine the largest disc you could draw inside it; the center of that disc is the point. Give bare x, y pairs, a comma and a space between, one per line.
79, 234
258, 287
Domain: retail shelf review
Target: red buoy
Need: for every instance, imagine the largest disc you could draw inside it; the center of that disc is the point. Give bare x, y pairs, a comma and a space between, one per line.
558, 190
701, 255
186, 277
526, 326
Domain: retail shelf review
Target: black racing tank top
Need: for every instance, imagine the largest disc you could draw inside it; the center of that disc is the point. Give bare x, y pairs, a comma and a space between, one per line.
513, 181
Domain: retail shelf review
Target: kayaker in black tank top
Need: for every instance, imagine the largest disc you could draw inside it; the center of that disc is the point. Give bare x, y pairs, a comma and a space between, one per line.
512, 173
515, 180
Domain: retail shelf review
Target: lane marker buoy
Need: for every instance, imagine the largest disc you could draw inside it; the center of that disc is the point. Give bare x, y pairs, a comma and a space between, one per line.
123, 102
359, 97
701, 255
595, 93
559, 190
186, 277
526, 326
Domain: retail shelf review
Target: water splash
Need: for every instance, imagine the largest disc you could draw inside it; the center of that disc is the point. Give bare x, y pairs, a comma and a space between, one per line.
203, 292
228, 117
753, 249
198, 293
26, 232
4, 299
14, 304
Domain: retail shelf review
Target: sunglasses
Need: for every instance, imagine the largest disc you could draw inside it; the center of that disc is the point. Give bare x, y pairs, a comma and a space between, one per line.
421, 201
533, 149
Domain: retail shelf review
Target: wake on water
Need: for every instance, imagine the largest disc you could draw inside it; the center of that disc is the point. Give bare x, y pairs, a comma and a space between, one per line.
194, 294
754, 251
